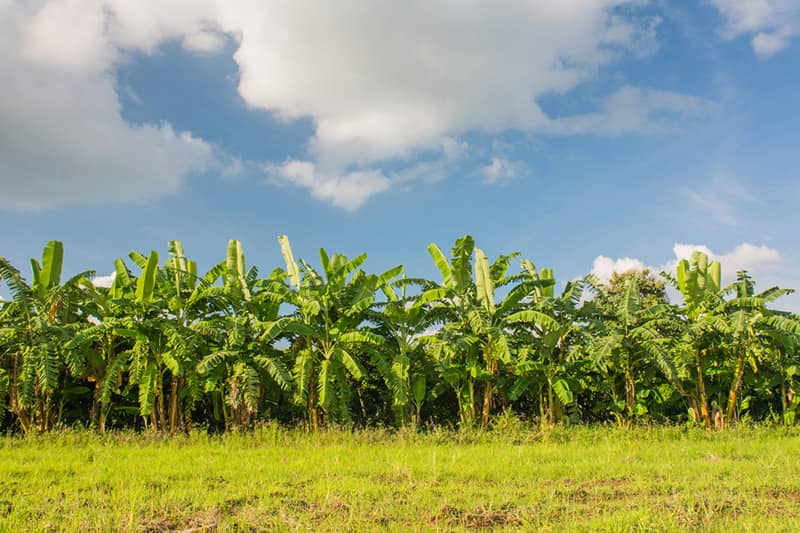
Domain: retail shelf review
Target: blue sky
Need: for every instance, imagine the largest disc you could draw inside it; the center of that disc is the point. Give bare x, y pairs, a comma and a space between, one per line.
591, 135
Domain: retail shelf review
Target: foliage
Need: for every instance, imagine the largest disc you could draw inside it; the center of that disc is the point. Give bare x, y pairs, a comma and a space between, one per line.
169, 349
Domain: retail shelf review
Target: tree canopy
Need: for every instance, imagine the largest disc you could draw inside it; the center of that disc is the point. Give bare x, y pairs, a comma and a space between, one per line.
168, 348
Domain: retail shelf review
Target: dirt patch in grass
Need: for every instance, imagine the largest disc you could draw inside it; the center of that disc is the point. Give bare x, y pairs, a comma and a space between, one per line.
166, 521
479, 518
780, 494
6, 506
595, 491
231, 505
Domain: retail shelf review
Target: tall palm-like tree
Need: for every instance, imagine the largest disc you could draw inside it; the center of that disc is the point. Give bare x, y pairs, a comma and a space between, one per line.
37, 324
752, 327
328, 321
244, 363
474, 341
783, 357
732, 332
402, 361
630, 341
104, 341
453, 346
552, 328
698, 280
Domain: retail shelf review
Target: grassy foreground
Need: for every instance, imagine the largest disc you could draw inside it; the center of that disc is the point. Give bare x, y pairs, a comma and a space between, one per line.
661, 478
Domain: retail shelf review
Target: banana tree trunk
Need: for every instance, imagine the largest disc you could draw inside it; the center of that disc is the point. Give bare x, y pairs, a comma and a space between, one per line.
471, 402
549, 406
543, 422
630, 388
487, 405
101, 420
46, 416
173, 404
227, 416
313, 410
15, 406
487, 394
98, 410
162, 418
738, 379
701, 390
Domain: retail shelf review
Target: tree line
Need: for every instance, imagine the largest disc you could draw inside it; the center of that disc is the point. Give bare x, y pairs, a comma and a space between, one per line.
169, 349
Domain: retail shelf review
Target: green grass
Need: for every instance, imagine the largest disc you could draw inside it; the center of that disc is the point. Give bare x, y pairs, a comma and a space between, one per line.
653, 479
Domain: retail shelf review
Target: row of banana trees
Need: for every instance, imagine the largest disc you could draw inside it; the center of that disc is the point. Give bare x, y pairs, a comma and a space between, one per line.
167, 348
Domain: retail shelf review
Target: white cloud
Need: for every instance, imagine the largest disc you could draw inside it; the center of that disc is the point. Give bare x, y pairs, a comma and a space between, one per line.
746, 256
381, 82
387, 95
767, 44
377, 94
773, 24
765, 264
63, 139
453, 149
425, 171
500, 171
348, 191
104, 281
604, 267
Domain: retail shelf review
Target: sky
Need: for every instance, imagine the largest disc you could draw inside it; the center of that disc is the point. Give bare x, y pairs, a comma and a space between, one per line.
589, 135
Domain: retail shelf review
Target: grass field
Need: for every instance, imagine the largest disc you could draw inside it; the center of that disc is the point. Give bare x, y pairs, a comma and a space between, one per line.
654, 479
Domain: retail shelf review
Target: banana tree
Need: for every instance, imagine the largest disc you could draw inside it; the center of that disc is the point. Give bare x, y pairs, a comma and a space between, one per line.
244, 361
104, 341
474, 342
329, 331
190, 299
453, 346
783, 357
162, 345
730, 332
551, 329
629, 340
752, 327
147, 361
402, 362
37, 323
698, 281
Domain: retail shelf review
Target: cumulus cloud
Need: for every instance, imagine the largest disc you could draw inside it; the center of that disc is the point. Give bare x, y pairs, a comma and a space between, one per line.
63, 139
387, 96
772, 24
746, 256
348, 191
104, 281
375, 92
767, 266
755, 259
381, 83
603, 268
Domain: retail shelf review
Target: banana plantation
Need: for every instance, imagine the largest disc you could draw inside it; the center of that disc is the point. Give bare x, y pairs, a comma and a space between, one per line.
167, 348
